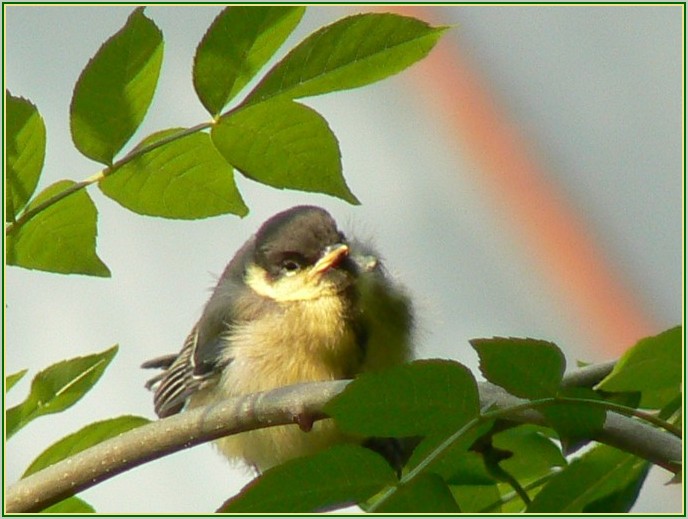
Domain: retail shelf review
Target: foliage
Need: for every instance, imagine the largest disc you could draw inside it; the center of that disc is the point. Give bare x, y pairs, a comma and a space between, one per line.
178, 173
57, 388
465, 462
70, 228
464, 458
342, 474
84, 438
651, 368
405, 391
54, 390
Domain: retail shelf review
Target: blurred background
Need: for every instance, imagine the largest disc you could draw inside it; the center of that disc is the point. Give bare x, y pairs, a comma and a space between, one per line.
524, 180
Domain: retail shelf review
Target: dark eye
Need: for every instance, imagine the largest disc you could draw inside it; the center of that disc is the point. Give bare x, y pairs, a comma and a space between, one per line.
290, 265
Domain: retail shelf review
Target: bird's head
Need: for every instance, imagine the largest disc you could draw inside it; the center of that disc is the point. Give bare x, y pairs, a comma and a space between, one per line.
300, 254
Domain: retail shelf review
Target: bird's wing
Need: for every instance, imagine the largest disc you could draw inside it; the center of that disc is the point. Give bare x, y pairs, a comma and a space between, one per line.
176, 383
202, 358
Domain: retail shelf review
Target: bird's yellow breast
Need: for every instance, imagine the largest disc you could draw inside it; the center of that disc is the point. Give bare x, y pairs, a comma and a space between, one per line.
310, 340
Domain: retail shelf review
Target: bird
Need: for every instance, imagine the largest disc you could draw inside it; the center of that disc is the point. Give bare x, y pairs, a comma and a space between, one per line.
299, 302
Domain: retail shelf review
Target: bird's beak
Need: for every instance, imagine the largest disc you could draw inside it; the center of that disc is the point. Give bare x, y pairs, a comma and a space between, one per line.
333, 256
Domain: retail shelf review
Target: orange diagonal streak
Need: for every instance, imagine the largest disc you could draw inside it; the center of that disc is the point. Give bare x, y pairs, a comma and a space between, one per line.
562, 248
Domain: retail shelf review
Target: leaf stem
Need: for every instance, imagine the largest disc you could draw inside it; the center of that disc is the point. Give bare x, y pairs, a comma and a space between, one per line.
502, 475
418, 469
133, 154
513, 495
27, 215
624, 410
442, 447
504, 413
137, 152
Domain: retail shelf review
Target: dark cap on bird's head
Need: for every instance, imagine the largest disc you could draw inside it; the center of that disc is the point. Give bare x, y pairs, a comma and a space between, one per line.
303, 236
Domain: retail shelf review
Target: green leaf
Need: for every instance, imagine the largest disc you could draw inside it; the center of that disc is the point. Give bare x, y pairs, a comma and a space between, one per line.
627, 399
653, 367
11, 380
60, 238
337, 476
71, 505
510, 503
237, 44
427, 493
673, 408
474, 498
58, 387
411, 400
658, 398
573, 421
622, 499
470, 469
533, 453
601, 472
25, 152
184, 178
285, 145
86, 437
349, 53
456, 464
527, 368
116, 88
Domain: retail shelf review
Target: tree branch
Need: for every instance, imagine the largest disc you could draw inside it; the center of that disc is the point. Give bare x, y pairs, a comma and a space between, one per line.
157, 439
588, 376
279, 407
639, 438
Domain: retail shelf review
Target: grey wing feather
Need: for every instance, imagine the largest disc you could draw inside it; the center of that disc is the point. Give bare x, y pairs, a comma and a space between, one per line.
162, 362
180, 379
175, 384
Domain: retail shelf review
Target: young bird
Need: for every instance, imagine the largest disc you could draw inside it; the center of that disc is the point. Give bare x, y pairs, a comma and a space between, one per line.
297, 303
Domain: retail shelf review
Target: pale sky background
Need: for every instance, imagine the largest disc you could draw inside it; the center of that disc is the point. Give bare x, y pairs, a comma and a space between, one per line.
596, 91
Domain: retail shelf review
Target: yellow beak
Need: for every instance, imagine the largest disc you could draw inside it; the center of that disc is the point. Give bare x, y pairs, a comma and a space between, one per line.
334, 255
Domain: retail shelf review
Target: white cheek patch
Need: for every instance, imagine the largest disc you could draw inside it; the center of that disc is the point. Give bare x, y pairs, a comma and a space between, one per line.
296, 287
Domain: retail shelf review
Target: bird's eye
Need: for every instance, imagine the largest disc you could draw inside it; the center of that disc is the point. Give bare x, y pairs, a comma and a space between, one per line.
290, 266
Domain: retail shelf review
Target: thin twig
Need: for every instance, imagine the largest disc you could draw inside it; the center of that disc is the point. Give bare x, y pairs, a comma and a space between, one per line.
78, 186
30, 213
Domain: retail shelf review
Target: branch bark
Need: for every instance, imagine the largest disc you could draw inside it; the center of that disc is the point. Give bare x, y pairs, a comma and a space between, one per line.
279, 407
